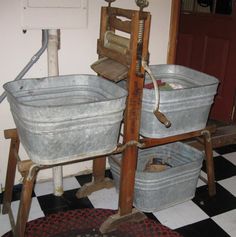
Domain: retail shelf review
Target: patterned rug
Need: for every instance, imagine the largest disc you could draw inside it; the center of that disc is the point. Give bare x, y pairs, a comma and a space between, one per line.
86, 223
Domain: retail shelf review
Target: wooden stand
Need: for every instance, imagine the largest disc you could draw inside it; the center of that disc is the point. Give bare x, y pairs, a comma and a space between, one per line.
138, 52
135, 82
29, 172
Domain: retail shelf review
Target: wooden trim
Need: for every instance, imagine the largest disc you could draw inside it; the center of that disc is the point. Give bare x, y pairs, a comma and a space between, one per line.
11, 134
173, 33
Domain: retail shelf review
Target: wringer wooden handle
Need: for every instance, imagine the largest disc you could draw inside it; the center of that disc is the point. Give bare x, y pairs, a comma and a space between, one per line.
162, 118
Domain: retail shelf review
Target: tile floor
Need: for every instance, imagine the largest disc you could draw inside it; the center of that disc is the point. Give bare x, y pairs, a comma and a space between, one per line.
201, 216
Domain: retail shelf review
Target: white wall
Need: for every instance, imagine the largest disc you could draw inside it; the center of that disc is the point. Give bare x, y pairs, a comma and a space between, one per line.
77, 53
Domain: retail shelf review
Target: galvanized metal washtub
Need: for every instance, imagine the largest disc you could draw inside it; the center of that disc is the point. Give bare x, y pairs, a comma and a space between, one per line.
154, 191
64, 118
187, 106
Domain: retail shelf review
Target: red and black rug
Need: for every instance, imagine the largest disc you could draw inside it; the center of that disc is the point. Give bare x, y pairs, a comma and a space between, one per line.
86, 223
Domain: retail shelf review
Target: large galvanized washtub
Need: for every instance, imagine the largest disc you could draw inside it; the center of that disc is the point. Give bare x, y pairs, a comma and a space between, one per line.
154, 191
64, 118
187, 107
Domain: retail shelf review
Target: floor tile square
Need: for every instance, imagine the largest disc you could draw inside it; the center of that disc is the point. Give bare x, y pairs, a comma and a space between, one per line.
70, 183
47, 187
227, 221
204, 228
16, 193
105, 198
73, 202
150, 215
83, 179
200, 181
35, 210
86, 178
222, 202
180, 215
226, 149
68, 201
231, 157
4, 224
43, 188
229, 184
215, 153
50, 203
223, 168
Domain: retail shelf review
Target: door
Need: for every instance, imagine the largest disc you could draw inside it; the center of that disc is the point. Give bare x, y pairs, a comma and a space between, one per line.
207, 42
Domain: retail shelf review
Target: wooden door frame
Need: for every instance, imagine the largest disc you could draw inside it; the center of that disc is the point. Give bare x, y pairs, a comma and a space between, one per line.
173, 32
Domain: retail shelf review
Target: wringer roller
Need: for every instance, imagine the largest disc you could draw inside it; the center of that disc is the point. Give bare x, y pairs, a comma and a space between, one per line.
116, 52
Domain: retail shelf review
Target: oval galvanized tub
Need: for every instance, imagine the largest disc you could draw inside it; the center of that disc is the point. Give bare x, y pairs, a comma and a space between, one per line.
64, 118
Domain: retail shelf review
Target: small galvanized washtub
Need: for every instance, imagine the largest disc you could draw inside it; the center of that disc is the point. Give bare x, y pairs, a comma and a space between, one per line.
187, 106
155, 190
64, 118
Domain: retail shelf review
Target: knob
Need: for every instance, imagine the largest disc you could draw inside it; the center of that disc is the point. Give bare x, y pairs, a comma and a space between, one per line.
142, 4
109, 2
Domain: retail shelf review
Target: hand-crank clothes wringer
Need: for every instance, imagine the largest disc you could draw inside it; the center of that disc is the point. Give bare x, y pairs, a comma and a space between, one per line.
66, 119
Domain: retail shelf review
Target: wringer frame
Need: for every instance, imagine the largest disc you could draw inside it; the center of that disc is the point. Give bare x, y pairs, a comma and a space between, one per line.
123, 58
119, 58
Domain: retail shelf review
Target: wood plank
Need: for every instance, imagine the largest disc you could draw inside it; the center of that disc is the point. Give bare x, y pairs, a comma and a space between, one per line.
110, 69
173, 33
151, 142
225, 135
10, 176
118, 24
11, 133
126, 13
132, 119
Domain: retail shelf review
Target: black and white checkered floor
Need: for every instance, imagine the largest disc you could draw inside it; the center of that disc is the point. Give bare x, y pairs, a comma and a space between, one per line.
201, 216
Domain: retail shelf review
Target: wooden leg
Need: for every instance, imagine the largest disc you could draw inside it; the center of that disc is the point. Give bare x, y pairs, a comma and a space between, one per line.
127, 180
126, 211
132, 121
10, 176
25, 202
209, 163
99, 166
99, 181
113, 222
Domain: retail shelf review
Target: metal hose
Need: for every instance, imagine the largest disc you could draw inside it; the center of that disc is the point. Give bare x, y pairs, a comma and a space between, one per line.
32, 61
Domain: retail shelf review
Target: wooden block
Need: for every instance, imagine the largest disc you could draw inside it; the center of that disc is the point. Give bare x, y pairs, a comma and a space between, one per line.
115, 220
110, 69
